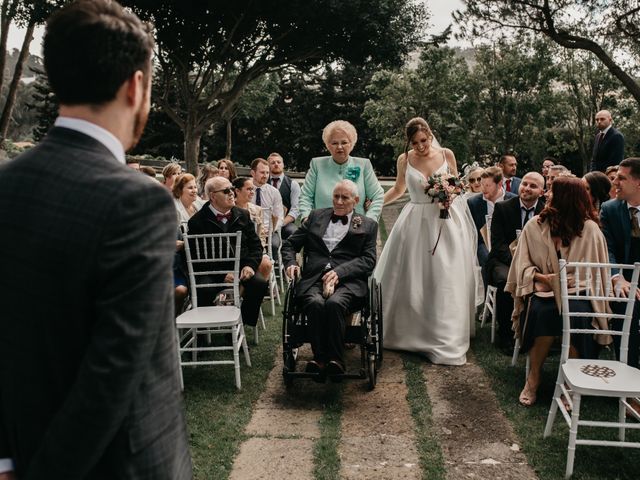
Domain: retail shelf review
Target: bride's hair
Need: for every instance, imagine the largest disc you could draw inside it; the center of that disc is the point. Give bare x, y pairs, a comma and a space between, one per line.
415, 125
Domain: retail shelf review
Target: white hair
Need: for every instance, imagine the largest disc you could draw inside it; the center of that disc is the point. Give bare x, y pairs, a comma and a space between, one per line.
349, 185
343, 125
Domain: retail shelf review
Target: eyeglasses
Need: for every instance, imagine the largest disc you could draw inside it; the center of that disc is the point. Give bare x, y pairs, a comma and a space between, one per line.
226, 191
475, 180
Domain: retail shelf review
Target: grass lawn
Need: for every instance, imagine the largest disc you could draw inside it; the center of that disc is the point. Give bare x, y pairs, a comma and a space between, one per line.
548, 455
217, 413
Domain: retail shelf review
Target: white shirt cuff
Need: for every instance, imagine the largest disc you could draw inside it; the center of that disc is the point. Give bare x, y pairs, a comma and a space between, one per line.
6, 465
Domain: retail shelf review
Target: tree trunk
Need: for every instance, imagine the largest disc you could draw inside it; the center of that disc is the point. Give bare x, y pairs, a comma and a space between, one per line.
15, 82
191, 148
227, 153
8, 11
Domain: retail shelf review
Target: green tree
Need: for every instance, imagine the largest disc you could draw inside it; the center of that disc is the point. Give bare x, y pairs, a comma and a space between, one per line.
209, 51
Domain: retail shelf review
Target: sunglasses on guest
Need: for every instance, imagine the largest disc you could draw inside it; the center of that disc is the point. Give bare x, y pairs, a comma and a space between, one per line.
226, 191
475, 180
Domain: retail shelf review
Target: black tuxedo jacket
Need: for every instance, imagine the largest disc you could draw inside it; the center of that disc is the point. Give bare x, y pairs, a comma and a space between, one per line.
353, 259
616, 226
204, 221
89, 384
506, 219
478, 209
609, 152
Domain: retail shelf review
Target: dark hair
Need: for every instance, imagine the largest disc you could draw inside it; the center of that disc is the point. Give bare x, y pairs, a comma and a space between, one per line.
206, 170
181, 181
148, 170
504, 157
258, 161
551, 159
238, 182
632, 163
230, 166
413, 126
599, 187
91, 47
569, 208
494, 173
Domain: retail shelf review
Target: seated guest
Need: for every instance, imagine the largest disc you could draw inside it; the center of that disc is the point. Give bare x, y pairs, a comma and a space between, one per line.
243, 187
482, 205
547, 162
620, 226
599, 187
566, 229
169, 174
611, 172
472, 179
508, 164
148, 170
207, 171
221, 215
508, 217
554, 172
185, 197
227, 169
289, 191
266, 196
340, 248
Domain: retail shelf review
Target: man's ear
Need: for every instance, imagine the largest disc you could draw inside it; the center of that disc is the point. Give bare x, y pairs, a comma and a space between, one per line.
357, 199
135, 88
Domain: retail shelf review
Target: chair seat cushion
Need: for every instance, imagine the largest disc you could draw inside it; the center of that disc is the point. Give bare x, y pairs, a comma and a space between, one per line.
218, 316
602, 377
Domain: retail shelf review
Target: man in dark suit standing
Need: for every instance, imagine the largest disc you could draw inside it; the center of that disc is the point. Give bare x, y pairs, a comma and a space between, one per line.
483, 204
509, 165
89, 382
619, 219
508, 217
221, 215
340, 250
608, 146
289, 191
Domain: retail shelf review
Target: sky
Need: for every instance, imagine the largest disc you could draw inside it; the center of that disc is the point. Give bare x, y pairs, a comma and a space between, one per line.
440, 18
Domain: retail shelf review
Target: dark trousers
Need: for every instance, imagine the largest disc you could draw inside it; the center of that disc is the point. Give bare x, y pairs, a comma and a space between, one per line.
497, 273
634, 344
326, 321
288, 230
254, 292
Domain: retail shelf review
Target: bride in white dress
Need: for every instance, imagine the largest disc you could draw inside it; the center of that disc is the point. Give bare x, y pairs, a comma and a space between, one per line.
428, 296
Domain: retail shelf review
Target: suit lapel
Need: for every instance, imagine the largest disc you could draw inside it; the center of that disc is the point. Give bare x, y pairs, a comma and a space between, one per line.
354, 227
625, 222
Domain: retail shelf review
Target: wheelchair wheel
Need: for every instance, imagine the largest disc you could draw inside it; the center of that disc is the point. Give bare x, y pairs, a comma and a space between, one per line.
372, 370
380, 346
289, 352
375, 320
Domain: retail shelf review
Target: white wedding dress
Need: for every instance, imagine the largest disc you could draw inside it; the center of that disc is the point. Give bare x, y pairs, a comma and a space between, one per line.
429, 299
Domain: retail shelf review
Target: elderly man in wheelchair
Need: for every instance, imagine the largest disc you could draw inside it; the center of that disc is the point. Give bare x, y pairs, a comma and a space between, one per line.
339, 248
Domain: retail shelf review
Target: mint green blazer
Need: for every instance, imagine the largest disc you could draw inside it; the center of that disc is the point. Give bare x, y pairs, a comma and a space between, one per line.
324, 173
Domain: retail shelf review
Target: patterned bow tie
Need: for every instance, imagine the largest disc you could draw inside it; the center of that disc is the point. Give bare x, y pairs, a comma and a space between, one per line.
222, 216
342, 218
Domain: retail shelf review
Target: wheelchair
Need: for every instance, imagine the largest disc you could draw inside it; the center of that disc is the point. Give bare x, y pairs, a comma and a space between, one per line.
364, 330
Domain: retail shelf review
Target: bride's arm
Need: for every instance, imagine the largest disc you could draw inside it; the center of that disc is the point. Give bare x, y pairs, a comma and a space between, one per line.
451, 160
400, 186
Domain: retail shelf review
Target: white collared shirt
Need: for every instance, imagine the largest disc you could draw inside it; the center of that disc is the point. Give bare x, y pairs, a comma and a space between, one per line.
270, 198
218, 212
523, 213
335, 232
105, 137
294, 197
491, 205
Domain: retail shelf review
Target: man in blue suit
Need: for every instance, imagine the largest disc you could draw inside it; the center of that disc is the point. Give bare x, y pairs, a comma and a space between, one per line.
619, 219
482, 205
508, 164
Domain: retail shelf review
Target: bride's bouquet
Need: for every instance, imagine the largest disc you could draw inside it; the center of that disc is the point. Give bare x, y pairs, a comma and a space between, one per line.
443, 188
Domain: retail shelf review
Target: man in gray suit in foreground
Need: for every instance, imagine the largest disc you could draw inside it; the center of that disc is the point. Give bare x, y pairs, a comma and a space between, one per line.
89, 382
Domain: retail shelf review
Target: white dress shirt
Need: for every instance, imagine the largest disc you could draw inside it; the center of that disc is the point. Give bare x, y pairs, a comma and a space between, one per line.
491, 205
335, 232
295, 196
270, 198
523, 213
103, 136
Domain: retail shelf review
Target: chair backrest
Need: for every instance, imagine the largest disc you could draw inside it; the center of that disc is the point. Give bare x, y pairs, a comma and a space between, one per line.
266, 217
592, 282
209, 258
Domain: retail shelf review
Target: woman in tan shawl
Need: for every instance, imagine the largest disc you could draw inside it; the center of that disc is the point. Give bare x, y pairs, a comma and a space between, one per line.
567, 228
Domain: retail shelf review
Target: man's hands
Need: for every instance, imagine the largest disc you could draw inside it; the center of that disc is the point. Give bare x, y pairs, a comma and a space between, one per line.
7, 476
329, 282
293, 271
247, 273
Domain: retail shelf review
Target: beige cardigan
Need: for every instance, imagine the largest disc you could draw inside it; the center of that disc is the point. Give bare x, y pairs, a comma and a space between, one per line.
536, 253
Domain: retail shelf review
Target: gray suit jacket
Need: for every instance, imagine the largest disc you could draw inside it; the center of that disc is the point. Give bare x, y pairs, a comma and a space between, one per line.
89, 384
353, 259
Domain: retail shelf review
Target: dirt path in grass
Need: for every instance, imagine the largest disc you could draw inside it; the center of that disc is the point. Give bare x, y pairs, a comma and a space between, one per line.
377, 436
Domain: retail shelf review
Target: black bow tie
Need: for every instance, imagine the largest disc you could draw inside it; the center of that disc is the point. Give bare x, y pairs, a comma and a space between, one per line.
342, 218
221, 216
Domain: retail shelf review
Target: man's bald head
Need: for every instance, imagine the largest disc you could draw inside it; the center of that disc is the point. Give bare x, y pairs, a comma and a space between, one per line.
603, 119
531, 188
535, 177
216, 183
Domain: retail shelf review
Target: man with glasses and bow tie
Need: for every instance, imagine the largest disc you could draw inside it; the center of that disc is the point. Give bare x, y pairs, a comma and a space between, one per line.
509, 217
221, 215
289, 191
340, 251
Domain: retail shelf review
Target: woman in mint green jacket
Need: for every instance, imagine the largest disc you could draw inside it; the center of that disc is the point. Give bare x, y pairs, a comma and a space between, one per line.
324, 172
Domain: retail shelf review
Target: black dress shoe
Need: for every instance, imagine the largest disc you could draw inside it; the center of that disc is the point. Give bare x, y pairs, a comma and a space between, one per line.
318, 369
334, 370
